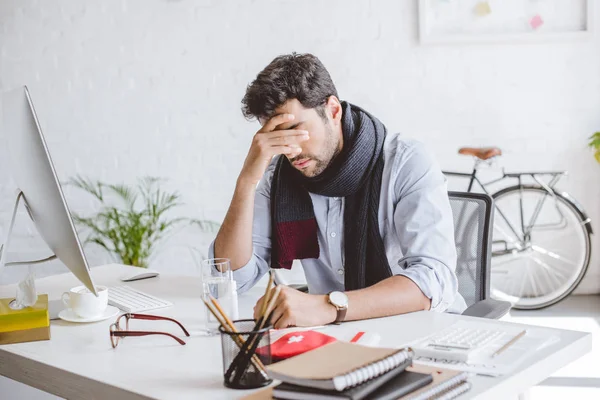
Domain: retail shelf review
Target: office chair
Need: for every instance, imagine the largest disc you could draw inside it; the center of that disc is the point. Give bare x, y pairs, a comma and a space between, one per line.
473, 216
473, 225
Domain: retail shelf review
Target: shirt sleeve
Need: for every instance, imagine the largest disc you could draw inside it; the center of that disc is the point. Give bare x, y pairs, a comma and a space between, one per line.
424, 226
258, 265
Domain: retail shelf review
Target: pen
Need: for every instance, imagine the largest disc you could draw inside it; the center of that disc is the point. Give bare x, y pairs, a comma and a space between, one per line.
510, 343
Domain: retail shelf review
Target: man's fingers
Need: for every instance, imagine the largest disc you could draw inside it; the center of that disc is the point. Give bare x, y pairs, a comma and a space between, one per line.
274, 143
287, 150
285, 321
288, 139
276, 121
277, 314
284, 133
282, 323
258, 307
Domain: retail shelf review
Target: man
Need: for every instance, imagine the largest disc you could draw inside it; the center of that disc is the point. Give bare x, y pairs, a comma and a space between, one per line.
366, 211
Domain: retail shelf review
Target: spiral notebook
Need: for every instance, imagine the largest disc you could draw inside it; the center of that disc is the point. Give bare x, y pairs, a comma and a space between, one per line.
287, 391
389, 386
338, 365
447, 384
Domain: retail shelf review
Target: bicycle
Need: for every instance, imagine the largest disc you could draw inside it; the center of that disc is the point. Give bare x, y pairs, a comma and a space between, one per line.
541, 241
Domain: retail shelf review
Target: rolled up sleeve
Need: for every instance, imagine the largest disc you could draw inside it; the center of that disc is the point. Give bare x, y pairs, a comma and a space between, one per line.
424, 226
258, 265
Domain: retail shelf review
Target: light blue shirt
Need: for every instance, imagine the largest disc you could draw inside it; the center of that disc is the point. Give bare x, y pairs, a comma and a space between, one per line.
415, 222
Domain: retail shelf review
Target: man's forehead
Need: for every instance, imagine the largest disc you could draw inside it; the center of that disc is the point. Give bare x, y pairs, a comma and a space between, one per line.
264, 120
292, 106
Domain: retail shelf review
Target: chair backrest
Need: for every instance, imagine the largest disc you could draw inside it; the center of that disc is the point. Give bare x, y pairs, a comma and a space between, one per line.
473, 224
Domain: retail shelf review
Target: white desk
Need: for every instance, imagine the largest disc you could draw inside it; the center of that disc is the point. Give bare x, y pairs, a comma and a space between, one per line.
79, 362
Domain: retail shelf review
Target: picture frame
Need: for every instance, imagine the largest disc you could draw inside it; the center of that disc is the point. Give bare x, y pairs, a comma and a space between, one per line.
509, 21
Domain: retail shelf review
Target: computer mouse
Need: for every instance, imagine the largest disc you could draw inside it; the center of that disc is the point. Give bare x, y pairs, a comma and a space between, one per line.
138, 273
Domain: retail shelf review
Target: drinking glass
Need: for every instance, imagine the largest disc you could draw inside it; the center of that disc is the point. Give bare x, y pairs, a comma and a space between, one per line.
217, 281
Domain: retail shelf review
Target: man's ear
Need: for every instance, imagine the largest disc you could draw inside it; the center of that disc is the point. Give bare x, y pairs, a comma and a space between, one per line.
335, 109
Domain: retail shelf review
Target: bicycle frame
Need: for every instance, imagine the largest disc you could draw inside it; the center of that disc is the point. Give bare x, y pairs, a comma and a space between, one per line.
525, 228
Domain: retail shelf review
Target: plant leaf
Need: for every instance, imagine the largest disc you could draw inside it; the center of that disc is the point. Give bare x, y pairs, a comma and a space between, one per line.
133, 230
93, 188
126, 193
595, 143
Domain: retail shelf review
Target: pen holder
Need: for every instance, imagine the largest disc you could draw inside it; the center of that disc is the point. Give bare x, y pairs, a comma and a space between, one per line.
245, 353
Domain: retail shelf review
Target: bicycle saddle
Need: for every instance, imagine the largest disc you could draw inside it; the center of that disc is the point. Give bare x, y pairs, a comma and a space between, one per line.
483, 153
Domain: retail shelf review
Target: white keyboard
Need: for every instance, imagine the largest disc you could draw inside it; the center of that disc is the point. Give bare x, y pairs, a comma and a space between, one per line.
459, 342
132, 300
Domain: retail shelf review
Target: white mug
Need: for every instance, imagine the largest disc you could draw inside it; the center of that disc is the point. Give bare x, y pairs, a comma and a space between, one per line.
84, 303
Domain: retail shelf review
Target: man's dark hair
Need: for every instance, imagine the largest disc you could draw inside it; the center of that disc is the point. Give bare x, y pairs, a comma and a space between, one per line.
290, 76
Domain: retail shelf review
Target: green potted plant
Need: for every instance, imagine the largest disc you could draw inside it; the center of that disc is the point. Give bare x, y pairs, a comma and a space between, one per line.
132, 227
595, 144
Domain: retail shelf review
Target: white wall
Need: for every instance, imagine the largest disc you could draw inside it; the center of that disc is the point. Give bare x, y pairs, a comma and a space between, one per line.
130, 88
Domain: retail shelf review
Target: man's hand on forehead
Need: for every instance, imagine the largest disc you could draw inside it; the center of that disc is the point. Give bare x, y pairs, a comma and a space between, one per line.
279, 120
272, 139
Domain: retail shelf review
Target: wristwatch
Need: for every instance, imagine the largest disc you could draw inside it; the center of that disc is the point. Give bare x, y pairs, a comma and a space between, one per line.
340, 301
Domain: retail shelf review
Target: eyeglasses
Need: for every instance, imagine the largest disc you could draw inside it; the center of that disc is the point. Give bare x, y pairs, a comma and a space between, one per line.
116, 333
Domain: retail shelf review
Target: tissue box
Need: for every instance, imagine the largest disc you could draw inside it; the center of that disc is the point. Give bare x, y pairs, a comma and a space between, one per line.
26, 325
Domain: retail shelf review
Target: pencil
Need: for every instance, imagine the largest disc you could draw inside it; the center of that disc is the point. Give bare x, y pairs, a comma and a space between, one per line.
237, 338
223, 314
263, 308
249, 348
510, 343
270, 307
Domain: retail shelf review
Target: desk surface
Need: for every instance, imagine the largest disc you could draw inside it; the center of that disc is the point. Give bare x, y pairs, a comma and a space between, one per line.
79, 362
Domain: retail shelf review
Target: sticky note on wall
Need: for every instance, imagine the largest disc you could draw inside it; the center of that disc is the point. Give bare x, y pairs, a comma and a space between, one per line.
482, 9
536, 22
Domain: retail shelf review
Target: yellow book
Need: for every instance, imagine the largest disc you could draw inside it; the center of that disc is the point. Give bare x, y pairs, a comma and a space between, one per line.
28, 318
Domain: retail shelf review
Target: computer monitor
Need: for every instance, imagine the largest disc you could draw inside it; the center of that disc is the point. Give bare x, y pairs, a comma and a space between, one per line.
34, 173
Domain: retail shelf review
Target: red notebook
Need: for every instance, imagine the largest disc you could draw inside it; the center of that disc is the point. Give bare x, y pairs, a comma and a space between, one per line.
297, 342
294, 343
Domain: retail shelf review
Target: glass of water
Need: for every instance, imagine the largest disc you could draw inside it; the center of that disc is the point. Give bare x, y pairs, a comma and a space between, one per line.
217, 281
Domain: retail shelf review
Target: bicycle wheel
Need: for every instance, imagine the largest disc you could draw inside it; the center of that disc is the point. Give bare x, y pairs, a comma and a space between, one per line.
540, 265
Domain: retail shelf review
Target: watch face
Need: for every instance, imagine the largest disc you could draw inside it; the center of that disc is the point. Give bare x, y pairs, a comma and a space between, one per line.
339, 299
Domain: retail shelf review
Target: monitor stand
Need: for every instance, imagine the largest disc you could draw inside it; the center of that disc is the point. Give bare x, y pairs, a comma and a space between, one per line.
4, 247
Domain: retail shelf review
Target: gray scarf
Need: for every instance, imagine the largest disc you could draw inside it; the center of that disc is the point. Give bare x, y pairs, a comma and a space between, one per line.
354, 174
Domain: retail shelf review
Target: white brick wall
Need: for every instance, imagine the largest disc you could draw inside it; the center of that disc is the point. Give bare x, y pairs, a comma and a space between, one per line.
153, 87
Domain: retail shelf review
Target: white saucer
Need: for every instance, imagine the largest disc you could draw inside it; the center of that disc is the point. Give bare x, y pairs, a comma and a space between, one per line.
70, 316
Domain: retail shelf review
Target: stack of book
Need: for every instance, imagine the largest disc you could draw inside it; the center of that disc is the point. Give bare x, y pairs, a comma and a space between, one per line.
25, 325
343, 370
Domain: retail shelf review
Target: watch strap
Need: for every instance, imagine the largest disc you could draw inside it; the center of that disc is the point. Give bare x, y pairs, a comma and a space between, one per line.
341, 311
341, 314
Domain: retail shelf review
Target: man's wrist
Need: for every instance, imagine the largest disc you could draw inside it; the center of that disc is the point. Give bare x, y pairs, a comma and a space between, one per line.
329, 311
